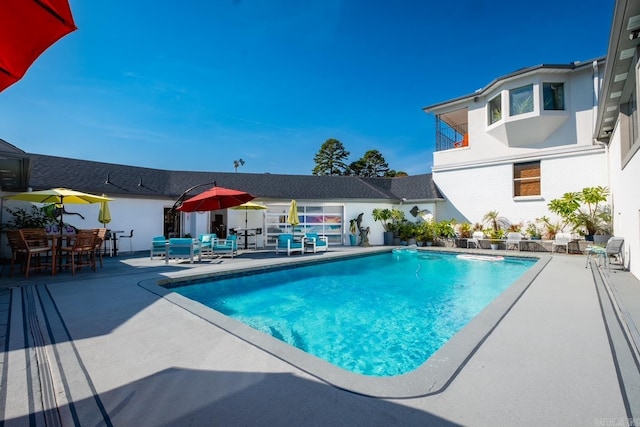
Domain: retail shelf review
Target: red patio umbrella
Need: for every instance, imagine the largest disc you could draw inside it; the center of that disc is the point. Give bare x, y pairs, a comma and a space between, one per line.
215, 198
27, 29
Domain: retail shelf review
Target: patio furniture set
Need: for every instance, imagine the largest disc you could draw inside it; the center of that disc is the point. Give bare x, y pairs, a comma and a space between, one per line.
206, 245
309, 242
35, 250
209, 245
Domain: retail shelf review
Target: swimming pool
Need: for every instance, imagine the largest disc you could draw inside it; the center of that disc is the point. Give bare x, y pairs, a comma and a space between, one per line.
380, 315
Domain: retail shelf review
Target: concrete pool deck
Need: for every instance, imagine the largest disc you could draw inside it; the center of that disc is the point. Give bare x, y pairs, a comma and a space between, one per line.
98, 349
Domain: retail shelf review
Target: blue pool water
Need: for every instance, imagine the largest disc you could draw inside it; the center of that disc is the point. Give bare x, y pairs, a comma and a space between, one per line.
379, 315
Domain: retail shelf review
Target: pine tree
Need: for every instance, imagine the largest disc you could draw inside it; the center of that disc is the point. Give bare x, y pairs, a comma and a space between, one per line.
371, 165
330, 159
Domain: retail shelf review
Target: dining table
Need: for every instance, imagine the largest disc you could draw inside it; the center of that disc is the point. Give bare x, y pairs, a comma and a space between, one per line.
57, 241
246, 233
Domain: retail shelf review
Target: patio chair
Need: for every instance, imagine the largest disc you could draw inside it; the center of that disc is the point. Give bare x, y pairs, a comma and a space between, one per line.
287, 244
475, 239
562, 239
315, 243
182, 248
101, 237
226, 246
158, 246
28, 245
612, 250
513, 239
83, 250
206, 243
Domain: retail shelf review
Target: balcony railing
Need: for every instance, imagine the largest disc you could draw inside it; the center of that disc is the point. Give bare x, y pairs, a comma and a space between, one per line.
450, 136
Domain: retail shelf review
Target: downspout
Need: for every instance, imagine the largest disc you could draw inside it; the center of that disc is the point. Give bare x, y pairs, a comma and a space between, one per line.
595, 141
595, 78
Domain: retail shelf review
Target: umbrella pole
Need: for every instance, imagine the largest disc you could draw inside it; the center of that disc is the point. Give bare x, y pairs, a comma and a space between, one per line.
246, 231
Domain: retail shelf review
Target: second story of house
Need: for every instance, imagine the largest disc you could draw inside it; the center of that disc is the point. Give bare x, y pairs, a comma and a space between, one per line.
545, 109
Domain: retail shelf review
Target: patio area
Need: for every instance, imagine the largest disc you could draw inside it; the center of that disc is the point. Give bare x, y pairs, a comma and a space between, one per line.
99, 349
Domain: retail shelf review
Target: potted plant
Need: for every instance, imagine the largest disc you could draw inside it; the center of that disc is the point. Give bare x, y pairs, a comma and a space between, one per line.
406, 231
532, 231
550, 229
585, 210
495, 237
353, 231
495, 231
425, 232
446, 232
390, 219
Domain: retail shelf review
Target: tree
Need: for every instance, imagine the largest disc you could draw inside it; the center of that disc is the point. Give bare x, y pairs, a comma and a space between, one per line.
395, 174
371, 165
330, 159
237, 164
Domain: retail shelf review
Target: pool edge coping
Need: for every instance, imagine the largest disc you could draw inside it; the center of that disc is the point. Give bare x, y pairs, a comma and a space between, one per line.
432, 377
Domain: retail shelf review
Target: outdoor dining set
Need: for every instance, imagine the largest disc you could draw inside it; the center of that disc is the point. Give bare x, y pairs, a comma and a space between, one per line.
36, 250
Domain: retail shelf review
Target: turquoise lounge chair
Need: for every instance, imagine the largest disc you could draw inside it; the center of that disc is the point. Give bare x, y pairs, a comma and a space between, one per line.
206, 243
314, 243
287, 244
158, 246
182, 248
227, 246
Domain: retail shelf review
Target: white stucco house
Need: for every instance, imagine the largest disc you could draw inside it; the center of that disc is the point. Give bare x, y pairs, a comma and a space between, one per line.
519, 142
512, 146
618, 128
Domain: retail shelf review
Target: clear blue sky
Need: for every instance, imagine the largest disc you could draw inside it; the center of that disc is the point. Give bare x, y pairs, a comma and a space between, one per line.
197, 84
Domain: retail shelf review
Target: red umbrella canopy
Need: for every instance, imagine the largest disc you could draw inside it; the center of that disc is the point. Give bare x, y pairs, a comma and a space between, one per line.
27, 29
215, 198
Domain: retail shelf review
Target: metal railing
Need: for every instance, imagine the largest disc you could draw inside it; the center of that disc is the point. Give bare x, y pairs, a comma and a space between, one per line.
447, 136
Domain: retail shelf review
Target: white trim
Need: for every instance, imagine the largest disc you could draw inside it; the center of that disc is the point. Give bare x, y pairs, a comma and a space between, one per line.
562, 152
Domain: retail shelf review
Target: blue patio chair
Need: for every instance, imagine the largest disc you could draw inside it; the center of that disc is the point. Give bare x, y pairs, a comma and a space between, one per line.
158, 246
182, 248
206, 243
314, 243
287, 244
226, 246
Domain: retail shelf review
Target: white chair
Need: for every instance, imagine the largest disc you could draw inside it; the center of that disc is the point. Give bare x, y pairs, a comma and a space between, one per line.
612, 250
475, 239
562, 239
513, 239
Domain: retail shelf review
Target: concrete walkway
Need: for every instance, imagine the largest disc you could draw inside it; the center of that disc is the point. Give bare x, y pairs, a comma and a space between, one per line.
98, 349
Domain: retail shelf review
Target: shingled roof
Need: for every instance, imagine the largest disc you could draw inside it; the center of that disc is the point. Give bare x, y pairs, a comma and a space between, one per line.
133, 181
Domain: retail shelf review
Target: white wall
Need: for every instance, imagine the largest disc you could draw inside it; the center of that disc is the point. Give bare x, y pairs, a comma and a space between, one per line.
471, 192
145, 217
625, 188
